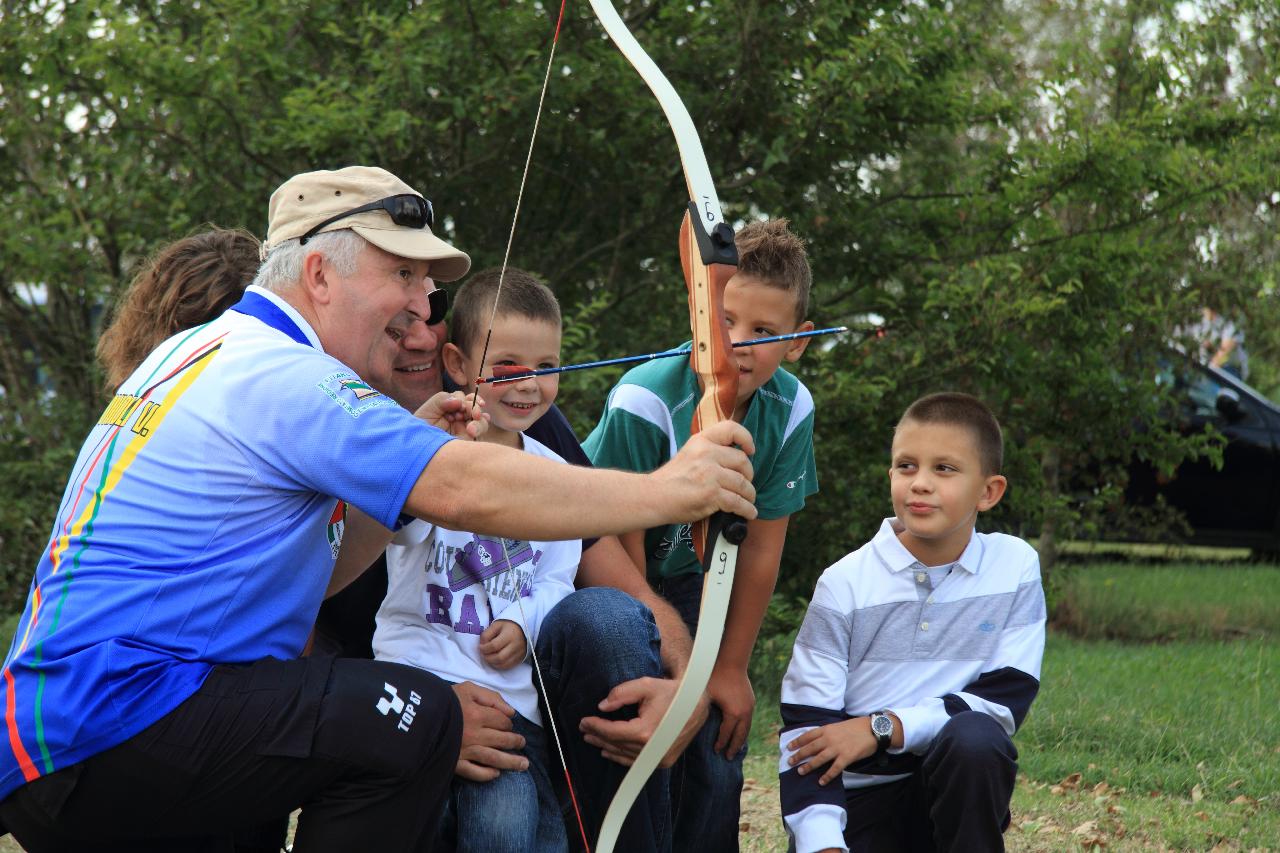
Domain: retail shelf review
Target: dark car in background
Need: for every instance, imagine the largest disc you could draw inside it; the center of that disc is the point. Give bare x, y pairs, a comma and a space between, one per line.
1237, 505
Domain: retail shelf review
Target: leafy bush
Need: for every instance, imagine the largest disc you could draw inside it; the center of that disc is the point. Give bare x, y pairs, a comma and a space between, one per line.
36, 455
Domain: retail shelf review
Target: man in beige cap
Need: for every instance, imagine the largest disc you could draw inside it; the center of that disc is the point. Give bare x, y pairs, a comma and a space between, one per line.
155, 700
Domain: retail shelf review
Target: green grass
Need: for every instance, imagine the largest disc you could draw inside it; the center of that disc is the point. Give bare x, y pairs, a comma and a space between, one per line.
1053, 818
1165, 719
1151, 552
1131, 744
1168, 602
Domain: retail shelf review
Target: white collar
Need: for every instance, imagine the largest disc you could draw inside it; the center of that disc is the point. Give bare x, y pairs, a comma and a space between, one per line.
896, 558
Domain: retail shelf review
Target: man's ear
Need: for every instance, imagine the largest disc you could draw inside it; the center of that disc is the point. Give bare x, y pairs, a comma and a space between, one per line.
315, 280
455, 364
992, 491
797, 347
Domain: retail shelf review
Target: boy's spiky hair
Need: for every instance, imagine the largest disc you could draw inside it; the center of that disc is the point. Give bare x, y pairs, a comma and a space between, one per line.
955, 409
768, 251
523, 294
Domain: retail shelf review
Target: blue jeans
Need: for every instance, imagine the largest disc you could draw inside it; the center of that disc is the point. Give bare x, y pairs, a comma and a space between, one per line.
514, 813
592, 641
706, 787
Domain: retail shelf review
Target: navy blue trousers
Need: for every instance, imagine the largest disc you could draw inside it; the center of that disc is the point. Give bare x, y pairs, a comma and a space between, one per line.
957, 801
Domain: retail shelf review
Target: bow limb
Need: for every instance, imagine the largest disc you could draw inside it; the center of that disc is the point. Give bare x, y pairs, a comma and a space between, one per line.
709, 258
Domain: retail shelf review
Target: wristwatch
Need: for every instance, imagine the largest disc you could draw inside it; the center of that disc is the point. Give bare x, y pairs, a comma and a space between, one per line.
882, 728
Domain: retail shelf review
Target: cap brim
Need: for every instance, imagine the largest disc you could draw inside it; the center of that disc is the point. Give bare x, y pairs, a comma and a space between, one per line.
447, 263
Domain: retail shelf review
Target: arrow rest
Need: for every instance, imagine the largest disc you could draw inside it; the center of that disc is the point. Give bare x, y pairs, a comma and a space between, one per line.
732, 527
716, 246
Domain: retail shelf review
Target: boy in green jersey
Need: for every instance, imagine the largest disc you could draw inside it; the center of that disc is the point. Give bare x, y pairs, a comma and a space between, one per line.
646, 420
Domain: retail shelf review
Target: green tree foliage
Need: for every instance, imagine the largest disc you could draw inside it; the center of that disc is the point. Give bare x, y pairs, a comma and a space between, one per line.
1028, 199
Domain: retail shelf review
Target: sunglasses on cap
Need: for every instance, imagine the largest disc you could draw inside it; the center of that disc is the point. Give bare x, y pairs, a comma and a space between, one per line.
406, 210
439, 302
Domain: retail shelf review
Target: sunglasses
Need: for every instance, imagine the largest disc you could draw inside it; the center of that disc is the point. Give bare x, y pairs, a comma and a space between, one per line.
407, 211
439, 302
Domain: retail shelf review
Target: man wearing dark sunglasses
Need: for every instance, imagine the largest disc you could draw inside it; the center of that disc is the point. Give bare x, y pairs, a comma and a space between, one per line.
155, 700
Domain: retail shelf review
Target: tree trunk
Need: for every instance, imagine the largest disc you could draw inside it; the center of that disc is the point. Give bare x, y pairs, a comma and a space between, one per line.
1048, 546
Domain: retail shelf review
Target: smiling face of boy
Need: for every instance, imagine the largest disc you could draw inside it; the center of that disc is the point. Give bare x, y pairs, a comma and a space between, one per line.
938, 487
756, 309
512, 406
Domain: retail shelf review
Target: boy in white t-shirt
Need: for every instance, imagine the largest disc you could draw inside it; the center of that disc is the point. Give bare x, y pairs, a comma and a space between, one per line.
467, 607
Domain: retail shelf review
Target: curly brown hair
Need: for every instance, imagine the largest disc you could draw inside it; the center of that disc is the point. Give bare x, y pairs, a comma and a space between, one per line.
186, 283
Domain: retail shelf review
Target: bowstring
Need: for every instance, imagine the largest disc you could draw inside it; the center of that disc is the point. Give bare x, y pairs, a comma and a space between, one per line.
484, 354
524, 178
542, 685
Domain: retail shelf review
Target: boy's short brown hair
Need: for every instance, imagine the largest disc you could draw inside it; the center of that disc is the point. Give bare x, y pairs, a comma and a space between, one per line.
768, 251
523, 294
952, 408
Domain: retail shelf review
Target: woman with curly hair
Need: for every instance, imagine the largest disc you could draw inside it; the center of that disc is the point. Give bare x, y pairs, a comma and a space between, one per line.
185, 284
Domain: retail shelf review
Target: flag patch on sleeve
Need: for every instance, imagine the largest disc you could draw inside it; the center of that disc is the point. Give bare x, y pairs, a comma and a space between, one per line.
352, 393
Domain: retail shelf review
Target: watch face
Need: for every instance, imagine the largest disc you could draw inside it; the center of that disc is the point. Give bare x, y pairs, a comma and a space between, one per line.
881, 725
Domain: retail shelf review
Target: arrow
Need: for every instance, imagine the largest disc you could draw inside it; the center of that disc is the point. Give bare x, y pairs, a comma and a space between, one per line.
514, 373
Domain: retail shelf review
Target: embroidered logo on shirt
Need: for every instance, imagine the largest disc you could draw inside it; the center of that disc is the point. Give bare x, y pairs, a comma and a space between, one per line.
987, 627
352, 393
358, 388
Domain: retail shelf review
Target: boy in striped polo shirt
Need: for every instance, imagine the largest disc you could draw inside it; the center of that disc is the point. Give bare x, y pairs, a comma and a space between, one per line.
918, 658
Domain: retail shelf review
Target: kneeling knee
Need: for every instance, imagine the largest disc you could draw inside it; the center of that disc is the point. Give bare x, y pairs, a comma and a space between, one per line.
601, 617
974, 738
393, 720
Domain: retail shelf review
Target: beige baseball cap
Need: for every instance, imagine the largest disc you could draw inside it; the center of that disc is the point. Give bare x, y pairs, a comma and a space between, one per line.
307, 200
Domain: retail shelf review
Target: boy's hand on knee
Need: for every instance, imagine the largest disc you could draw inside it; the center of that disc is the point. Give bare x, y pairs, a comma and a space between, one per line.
836, 744
502, 645
486, 735
732, 693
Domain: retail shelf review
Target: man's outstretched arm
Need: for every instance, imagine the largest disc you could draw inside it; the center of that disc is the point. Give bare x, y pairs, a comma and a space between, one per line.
542, 499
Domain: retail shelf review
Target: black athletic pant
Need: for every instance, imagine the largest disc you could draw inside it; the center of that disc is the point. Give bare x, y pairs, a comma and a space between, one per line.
957, 801
366, 748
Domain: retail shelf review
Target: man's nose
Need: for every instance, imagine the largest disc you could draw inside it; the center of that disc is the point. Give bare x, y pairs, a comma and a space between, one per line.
419, 305
420, 336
